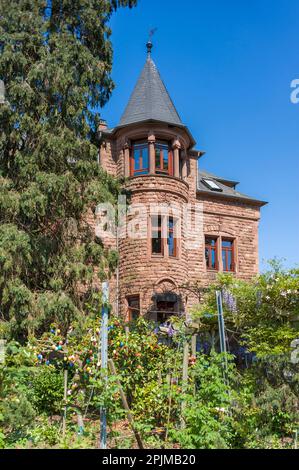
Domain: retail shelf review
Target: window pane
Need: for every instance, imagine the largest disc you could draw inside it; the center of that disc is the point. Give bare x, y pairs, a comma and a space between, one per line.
171, 244
134, 307
145, 158
161, 152
157, 234
227, 243
157, 158
224, 260
156, 222
213, 259
157, 245
136, 159
165, 160
211, 241
141, 158
229, 261
171, 237
134, 302
207, 255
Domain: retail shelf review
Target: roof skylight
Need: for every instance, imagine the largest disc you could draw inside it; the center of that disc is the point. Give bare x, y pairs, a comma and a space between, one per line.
211, 185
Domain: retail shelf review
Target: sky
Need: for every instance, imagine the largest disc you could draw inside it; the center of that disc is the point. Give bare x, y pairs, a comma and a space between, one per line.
228, 66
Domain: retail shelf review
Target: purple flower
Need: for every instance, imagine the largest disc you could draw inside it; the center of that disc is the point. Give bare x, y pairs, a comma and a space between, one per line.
229, 301
170, 331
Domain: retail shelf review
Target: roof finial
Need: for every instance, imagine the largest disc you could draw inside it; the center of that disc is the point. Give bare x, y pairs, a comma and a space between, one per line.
149, 44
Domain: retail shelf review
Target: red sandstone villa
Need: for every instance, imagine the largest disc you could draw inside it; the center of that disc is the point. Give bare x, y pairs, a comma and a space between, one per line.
153, 151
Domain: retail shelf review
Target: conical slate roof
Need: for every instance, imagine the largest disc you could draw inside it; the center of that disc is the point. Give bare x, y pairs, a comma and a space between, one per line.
150, 99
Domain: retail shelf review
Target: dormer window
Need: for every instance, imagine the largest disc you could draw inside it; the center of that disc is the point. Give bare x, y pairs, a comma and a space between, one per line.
163, 158
140, 159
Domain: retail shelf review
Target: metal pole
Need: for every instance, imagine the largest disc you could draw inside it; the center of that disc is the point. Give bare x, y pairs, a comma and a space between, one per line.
221, 322
184, 379
104, 359
65, 402
221, 328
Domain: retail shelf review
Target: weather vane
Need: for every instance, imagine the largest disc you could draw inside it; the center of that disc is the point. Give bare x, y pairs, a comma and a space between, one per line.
149, 44
151, 33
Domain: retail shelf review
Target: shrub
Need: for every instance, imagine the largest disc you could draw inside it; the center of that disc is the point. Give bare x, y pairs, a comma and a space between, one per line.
47, 386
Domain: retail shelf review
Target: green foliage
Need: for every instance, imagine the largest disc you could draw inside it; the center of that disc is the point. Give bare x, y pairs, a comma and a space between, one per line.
55, 60
16, 410
207, 411
47, 388
263, 313
45, 433
138, 356
2, 439
223, 405
156, 396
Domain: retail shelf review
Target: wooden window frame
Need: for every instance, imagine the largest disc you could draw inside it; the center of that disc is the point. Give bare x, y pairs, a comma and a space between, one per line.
227, 250
141, 171
159, 230
164, 229
161, 170
130, 309
215, 249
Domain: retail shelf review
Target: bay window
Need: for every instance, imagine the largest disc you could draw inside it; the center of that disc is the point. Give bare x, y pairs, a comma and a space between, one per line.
141, 154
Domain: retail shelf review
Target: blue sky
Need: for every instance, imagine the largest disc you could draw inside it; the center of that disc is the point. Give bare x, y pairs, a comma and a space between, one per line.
228, 66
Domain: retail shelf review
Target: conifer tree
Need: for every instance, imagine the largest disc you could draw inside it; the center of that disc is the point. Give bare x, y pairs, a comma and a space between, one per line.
55, 61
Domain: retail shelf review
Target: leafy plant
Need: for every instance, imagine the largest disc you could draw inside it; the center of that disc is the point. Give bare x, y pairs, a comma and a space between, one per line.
207, 411
47, 388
